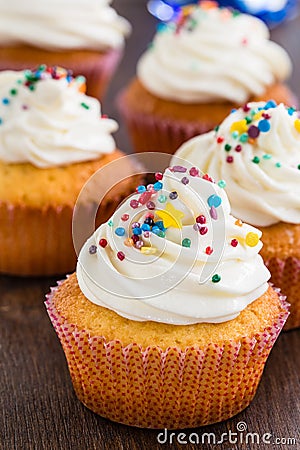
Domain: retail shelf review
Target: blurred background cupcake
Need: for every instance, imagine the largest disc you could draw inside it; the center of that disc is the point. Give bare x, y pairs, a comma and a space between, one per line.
86, 36
52, 140
153, 336
256, 150
201, 65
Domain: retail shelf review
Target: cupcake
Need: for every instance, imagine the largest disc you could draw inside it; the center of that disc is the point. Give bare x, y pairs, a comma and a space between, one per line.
84, 36
52, 140
167, 322
198, 68
256, 150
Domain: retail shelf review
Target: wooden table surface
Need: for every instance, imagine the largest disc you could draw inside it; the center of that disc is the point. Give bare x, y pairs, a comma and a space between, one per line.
39, 409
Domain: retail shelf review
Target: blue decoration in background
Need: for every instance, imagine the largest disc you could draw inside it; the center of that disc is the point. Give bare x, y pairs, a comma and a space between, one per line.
272, 12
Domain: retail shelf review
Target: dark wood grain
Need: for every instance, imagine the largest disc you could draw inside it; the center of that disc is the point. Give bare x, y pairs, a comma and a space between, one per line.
39, 409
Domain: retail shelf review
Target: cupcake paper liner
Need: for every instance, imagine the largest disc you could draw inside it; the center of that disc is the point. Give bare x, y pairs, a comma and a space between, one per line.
36, 241
154, 133
286, 275
175, 388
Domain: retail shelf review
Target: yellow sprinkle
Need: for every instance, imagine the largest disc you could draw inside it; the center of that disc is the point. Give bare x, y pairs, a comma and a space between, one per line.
297, 125
240, 126
258, 115
148, 250
238, 223
252, 239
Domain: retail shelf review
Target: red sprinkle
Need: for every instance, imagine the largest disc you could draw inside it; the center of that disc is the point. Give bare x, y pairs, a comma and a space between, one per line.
238, 148
125, 217
201, 219
203, 230
234, 242
145, 197
220, 139
194, 172
134, 204
207, 177
103, 242
246, 108
135, 238
208, 250
158, 176
229, 159
121, 256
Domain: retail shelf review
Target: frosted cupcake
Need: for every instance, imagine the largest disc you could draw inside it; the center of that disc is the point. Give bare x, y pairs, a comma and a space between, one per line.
167, 322
86, 36
257, 151
52, 139
199, 67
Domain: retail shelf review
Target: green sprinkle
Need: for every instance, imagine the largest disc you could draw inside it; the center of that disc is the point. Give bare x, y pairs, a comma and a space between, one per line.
256, 160
31, 87
216, 278
267, 156
278, 164
235, 13
110, 223
186, 243
235, 134
248, 119
13, 92
298, 166
244, 137
84, 105
222, 183
19, 81
227, 147
217, 128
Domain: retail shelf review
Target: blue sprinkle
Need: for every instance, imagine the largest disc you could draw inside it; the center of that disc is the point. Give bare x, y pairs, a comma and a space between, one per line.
157, 186
155, 229
5, 101
141, 189
1, 121
160, 225
270, 104
137, 231
233, 111
120, 231
214, 200
291, 111
264, 125
145, 227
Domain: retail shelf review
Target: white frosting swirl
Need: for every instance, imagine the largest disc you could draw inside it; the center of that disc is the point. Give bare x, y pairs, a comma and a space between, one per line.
62, 24
263, 181
53, 125
214, 56
175, 284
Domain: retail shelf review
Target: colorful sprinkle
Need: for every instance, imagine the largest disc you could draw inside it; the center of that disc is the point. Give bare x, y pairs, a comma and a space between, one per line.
238, 223
220, 139
208, 250
140, 189
185, 180
252, 239
244, 137
194, 172
162, 198
213, 213
256, 160
201, 219
222, 184
92, 249
150, 205
253, 132
264, 126
110, 223
214, 200
125, 217
139, 244
137, 231
186, 243
145, 227
134, 204
227, 147
129, 242
5, 101
240, 126
158, 176
171, 216
157, 186
234, 242
229, 159
103, 243
120, 231
121, 256
203, 231
238, 148
173, 195
278, 164
179, 169
267, 156
216, 278
148, 250
297, 125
